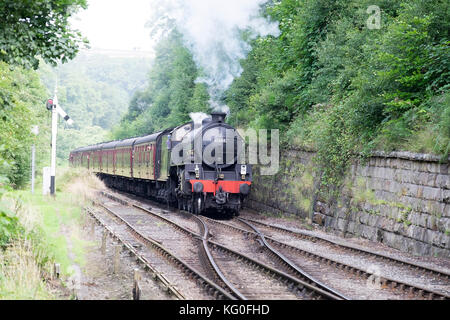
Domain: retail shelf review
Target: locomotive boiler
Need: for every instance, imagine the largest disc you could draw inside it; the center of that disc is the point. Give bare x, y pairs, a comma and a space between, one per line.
197, 166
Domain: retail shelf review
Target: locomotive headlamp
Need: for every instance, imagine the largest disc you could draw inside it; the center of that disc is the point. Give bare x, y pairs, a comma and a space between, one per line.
243, 171
197, 171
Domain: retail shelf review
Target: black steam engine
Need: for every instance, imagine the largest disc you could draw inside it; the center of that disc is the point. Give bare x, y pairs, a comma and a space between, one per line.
196, 166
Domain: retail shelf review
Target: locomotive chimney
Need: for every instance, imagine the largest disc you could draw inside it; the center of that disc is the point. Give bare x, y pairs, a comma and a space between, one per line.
218, 116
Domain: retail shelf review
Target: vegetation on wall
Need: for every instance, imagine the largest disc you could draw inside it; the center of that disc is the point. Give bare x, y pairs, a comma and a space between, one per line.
331, 83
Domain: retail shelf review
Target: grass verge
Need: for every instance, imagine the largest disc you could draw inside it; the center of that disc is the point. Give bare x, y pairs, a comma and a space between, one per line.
48, 231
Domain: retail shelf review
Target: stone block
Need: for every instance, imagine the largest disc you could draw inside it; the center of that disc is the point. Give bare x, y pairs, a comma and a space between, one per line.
357, 229
417, 166
445, 241
432, 222
378, 162
423, 220
433, 237
386, 224
433, 207
329, 222
430, 193
439, 252
446, 210
398, 228
388, 238
399, 243
405, 164
351, 227
352, 216
362, 218
416, 232
426, 179
420, 248
444, 168
443, 224
373, 220
368, 232
341, 225
443, 181
386, 195
401, 176
445, 196
396, 164
384, 210
414, 217
432, 167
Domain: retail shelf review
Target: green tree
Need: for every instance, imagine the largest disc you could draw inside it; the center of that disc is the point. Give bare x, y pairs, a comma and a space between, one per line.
32, 28
171, 93
22, 98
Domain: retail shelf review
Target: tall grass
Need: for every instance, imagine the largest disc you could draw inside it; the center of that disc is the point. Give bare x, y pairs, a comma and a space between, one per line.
20, 273
47, 224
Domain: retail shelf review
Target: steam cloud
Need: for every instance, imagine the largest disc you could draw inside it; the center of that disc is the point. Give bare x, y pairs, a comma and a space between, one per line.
211, 29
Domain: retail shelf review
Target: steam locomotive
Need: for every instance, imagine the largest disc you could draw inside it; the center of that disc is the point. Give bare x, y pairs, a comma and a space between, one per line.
196, 166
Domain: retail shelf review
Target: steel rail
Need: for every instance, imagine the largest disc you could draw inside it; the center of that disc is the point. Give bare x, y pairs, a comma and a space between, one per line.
413, 289
360, 272
399, 261
393, 283
212, 262
280, 275
166, 283
170, 256
292, 265
276, 273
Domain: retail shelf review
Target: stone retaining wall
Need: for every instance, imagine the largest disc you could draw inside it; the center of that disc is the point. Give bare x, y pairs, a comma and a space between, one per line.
401, 199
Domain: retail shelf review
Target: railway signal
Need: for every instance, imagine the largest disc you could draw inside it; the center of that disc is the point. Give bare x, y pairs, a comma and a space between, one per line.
53, 106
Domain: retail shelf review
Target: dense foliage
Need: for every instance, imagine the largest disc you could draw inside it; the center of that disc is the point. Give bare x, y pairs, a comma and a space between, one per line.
21, 106
171, 93
28, 30
331, 83
21, 99
328, 82
32, 28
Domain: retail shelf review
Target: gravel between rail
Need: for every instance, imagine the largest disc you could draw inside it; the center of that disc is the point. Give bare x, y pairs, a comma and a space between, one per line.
338, 277
262, 276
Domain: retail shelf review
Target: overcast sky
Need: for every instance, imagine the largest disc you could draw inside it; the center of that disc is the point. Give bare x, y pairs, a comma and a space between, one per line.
115, 24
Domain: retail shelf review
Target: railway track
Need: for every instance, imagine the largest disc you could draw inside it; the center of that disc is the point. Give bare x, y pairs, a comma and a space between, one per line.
255, 245
311, 267
336, 253
132, 246
177, 276
354, 282
352, 248
232, 269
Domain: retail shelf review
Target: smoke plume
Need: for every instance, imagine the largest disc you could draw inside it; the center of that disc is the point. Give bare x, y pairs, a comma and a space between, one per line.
212, 31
